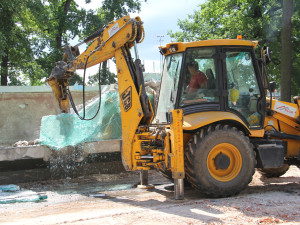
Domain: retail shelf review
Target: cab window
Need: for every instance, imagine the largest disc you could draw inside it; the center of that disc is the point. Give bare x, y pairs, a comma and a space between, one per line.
169, 86
199, 81
242, 85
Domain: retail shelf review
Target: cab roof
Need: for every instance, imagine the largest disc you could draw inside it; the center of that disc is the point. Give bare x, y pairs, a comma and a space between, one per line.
182, 46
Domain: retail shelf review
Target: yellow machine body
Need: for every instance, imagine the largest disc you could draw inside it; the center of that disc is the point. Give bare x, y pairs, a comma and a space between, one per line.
214, 149
285, 119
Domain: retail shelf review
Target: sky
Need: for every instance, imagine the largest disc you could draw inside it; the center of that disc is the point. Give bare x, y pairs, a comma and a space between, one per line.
159, 17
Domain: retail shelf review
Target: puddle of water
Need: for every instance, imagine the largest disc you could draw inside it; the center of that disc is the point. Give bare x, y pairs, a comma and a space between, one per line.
88, 189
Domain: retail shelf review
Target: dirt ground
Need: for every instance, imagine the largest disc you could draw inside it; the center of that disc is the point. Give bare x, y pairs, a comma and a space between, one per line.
75, 201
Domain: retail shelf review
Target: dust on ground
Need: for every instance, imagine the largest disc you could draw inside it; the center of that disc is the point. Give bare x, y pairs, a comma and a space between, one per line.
70, 201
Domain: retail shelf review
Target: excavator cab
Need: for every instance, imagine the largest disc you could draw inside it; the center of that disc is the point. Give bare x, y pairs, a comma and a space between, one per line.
231, 122
213, 78
218, 86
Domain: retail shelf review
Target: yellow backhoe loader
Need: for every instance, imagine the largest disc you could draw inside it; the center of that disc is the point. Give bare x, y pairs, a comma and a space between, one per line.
216, 119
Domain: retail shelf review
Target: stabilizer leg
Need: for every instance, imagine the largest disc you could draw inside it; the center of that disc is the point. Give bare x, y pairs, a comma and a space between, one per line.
178, 189
177, 153
144, 180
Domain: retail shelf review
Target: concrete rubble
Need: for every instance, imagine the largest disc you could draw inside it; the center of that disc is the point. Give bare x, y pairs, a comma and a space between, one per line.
43, 152
26, 143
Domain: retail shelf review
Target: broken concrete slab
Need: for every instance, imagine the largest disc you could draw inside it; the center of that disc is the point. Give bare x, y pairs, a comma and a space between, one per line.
44, 152
28, 152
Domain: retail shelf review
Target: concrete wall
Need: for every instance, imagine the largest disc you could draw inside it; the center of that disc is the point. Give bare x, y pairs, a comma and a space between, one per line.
78, 153
22, 108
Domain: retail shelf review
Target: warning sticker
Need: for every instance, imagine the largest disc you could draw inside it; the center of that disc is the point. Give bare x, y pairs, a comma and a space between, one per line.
285, 109
113, 30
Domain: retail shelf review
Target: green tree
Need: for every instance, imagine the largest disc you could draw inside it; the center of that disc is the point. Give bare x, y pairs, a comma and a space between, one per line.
110, 10
253, 19
18, 34
286, 50
66, 21
75, 79
32, 34
296, 49
106, 77
117, 8
62, 23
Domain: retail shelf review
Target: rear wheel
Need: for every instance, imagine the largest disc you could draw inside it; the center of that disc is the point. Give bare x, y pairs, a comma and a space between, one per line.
275, 172
219, 161
167, 174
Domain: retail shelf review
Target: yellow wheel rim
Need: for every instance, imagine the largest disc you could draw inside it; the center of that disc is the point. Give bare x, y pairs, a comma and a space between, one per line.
230, 152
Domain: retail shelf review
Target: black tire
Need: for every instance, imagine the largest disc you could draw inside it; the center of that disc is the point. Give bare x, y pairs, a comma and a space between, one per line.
168, 174
224, 147
274, 172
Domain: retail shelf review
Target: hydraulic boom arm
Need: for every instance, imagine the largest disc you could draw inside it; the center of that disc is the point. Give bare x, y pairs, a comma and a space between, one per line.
144, 146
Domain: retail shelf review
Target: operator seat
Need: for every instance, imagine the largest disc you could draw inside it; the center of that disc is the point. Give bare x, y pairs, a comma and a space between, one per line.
211, 79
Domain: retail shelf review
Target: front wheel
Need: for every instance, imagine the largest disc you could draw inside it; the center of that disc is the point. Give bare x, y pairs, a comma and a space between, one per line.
219, 161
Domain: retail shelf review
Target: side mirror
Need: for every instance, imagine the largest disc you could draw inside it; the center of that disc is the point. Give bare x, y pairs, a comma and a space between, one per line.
272, 86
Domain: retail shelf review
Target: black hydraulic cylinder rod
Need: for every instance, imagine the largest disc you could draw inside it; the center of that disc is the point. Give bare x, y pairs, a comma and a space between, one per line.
94, 35
283, 135
144, 98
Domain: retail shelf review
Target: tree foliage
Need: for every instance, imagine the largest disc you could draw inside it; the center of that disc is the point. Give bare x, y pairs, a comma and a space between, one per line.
106, 77
253, 19
32, 34
18, 36
286, 50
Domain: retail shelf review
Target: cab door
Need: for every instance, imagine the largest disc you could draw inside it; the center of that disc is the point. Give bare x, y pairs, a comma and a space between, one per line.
245, 95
